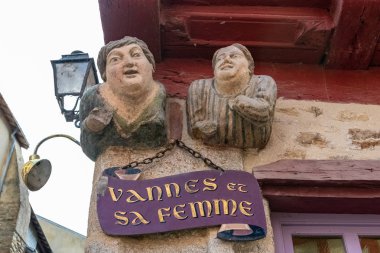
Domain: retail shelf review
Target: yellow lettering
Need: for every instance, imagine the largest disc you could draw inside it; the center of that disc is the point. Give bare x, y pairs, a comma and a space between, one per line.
231, 186
122, 220
134, 197
244, 209
112, 193
226, 205
161, 215
149, 190
200, 205
188, 186
177, 213
139, 219
240, 188
209, 186
169, 191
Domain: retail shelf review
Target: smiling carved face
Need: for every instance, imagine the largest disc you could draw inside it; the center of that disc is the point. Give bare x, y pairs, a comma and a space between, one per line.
230, 63
128, 71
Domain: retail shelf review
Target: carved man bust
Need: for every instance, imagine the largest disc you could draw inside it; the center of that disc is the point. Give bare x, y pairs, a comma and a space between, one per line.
128, 108
236, 107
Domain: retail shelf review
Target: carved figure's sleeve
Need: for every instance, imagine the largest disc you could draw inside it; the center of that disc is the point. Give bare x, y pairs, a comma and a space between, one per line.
87, 103
96, 115
266, 92
259, 107
195, 104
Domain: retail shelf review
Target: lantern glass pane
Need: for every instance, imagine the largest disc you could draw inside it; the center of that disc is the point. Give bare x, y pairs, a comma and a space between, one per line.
90, 79
70, 103
70, 77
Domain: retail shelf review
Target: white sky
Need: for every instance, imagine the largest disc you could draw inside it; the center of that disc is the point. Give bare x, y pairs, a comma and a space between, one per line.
32, 34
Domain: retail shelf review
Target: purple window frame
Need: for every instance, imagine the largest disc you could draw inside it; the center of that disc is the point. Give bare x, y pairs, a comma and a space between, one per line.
348, 226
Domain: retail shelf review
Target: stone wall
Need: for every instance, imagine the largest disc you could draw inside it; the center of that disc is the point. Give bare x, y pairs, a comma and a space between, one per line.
10, 205
301, 130
175, 162
8, 219
4, 140
320, 130
14, 202
18, 244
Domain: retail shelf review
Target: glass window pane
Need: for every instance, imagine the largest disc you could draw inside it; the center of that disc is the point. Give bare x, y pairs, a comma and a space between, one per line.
70, 76
90, 79
370, 244
306, 244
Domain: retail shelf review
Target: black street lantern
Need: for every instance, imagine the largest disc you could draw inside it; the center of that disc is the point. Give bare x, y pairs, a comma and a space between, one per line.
73, 74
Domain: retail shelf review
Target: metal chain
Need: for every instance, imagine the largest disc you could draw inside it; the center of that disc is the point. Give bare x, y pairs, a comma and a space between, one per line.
198, 155
169, 147
149, 160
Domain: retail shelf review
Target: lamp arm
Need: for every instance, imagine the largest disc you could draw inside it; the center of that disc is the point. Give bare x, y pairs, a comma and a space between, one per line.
53, 136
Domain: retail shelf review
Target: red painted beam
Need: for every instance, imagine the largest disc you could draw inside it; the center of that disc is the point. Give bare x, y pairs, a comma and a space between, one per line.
376, 55
275, 34
355, 38
286, 31
323, 4
294, 81
137, 18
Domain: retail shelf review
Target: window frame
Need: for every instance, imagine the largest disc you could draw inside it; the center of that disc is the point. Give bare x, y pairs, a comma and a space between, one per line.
348, 226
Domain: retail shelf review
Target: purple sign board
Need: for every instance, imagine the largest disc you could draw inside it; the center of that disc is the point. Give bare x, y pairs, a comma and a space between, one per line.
192, 200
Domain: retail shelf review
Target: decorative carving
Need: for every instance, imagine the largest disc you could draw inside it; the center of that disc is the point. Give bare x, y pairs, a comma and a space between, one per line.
236, 107
128, 108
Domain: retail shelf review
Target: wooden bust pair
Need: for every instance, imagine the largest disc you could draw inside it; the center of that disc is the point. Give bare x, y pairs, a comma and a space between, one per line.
235, 108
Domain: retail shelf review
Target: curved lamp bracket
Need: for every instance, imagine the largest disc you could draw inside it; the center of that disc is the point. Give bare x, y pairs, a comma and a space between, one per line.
36, 171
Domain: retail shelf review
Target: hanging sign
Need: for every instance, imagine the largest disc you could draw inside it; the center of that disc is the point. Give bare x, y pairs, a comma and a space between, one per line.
191, 200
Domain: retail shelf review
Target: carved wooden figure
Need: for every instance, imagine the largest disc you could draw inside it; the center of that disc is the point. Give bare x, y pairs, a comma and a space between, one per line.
236, 107
128, 108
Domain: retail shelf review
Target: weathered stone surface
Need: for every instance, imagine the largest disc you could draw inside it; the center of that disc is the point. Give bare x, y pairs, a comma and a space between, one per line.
364, 138
175, 116
175, 162
282, 145
10, 205
18, 244
8, 219
335, 132
311, 138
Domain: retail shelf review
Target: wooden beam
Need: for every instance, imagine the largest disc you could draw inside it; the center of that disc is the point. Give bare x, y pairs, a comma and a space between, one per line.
321, 186
344, 205
355, 37
294, 81
323, 4
376, 55
137, 18
279, 34
354, 173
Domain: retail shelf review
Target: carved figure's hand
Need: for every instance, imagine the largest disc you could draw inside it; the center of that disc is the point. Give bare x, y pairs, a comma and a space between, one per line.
256, 109
204, 129
98, 119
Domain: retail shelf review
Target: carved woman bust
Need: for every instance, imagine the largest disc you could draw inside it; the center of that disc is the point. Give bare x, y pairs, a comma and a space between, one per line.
128, 108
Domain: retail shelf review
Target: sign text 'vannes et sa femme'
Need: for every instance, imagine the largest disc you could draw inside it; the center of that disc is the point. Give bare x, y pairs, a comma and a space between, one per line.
184, 201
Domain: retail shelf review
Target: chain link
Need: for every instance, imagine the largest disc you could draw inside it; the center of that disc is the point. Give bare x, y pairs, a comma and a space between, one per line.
169, 147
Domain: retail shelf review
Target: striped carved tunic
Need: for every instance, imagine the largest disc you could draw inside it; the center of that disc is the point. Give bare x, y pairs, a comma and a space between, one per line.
246, 127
